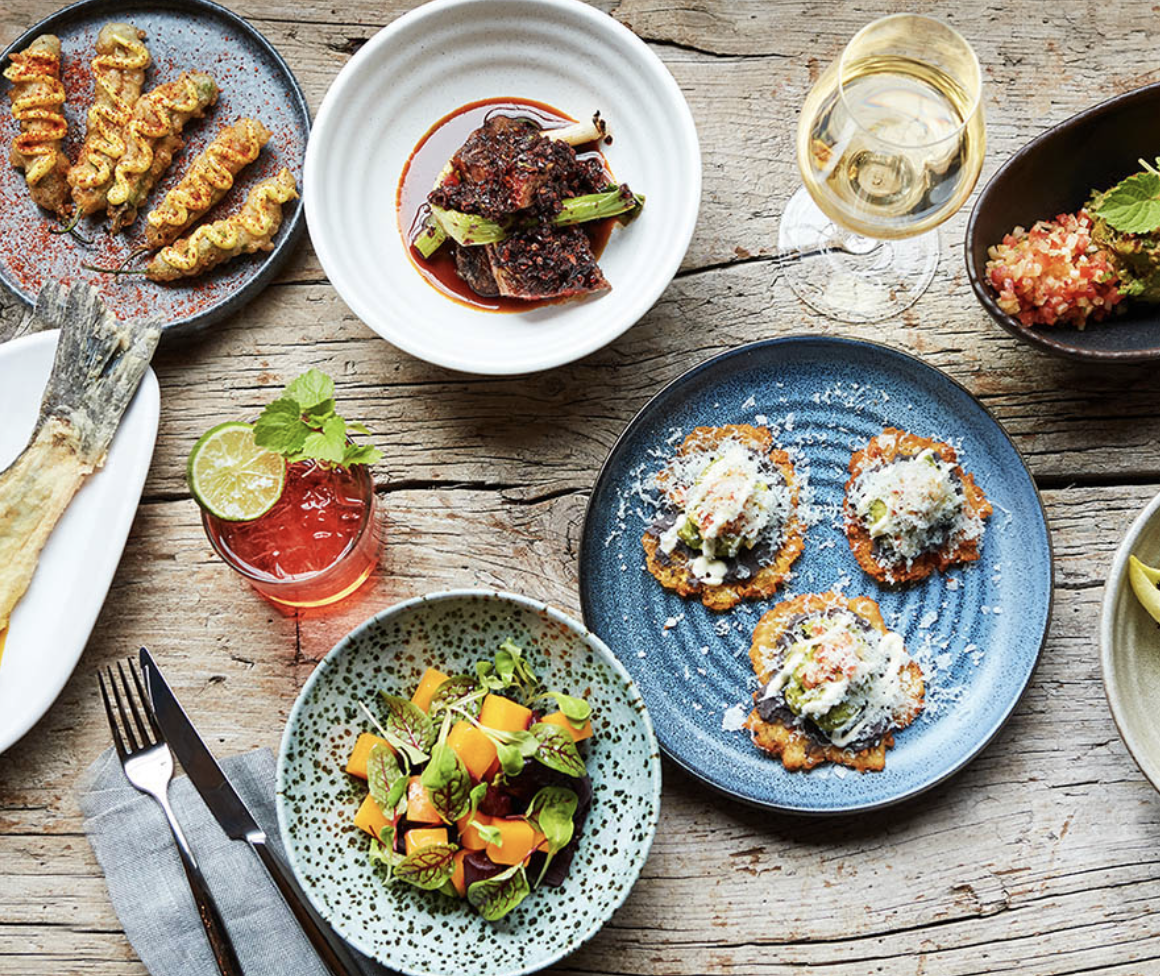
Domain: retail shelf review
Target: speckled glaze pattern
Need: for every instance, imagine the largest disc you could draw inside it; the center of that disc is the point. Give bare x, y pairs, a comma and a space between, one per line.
977, 630
419, 932
183, 35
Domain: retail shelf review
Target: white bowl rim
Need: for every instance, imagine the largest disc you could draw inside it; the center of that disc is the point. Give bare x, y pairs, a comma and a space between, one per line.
440, 596
645, 297
1115, 582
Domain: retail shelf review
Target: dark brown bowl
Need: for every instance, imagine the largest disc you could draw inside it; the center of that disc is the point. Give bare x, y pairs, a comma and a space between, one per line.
1054, 174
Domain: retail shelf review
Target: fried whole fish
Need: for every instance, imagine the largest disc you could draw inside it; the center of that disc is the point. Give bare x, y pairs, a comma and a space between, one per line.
99, 364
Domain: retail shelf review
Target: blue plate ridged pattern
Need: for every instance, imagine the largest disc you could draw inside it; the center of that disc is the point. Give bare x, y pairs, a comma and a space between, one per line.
977, 630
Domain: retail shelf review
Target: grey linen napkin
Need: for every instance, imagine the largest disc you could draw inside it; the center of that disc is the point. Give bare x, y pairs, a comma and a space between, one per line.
147, 884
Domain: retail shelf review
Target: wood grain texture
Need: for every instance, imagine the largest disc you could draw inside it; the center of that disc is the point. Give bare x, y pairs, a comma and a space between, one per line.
1039, 860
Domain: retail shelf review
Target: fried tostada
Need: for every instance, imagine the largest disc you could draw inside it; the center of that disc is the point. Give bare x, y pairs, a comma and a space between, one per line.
835, 683
728, 528
910, 508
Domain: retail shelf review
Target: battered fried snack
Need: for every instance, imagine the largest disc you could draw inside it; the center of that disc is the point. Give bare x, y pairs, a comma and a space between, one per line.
118, 76
207, 180
932, 519
152, 136
757, 565
800, 649
250, 229
38, 105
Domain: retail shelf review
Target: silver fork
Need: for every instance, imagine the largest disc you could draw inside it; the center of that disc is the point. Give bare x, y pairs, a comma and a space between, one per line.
148, 766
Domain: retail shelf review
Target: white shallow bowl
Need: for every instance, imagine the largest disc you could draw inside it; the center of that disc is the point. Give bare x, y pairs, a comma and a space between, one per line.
1130, 647
444, 55
77, 564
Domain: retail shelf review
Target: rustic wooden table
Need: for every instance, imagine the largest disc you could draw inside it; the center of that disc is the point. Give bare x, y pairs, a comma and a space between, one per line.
1039, 859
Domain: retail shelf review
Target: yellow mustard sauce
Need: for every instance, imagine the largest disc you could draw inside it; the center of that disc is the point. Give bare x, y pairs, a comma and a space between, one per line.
110, 112
256, 219
40, 70
152, 119
214, 169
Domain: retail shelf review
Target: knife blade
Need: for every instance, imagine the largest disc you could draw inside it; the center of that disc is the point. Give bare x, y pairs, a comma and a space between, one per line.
235, 817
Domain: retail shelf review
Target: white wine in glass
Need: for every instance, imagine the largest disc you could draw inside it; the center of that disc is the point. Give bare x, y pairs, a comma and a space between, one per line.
890, 143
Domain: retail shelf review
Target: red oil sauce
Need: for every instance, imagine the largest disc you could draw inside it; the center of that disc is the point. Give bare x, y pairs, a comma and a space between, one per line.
425, 164
319, 542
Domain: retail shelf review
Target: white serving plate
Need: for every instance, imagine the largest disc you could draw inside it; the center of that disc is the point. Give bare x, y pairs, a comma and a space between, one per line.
51, 624
440, 57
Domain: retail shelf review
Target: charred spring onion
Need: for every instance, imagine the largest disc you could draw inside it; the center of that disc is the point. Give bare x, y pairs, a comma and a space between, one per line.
471, 230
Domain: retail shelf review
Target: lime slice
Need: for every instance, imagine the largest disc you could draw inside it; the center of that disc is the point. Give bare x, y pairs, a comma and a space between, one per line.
231, 477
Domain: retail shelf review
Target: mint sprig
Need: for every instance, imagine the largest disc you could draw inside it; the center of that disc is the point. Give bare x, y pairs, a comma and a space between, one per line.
303, 425
1132, 206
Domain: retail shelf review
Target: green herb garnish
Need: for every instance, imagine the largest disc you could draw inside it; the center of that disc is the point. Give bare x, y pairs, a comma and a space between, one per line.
302, 425
429, 867
495, 897
1132, 206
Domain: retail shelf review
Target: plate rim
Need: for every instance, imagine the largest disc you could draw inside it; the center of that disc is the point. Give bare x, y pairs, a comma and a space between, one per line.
802, 338
524, 602
976, 275
152, 403
274, 260
368, 315
1114, 584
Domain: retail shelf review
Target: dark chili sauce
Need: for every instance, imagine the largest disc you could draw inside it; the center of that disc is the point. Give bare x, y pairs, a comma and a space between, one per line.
425, 164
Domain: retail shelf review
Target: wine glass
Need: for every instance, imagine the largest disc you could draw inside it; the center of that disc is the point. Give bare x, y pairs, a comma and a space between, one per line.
890, 143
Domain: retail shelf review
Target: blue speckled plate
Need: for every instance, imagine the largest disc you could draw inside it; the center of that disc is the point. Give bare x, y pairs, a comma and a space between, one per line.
977, 631
419, 932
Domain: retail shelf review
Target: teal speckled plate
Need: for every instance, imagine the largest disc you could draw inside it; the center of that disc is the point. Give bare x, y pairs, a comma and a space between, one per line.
419, 932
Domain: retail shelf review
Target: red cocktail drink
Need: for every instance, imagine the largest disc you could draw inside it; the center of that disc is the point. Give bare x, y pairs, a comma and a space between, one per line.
319, 542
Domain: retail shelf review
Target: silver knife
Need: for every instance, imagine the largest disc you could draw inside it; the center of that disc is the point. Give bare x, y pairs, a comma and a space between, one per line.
235, 818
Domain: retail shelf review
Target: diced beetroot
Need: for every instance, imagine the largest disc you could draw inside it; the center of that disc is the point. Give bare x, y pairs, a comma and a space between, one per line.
477, 866
496, 802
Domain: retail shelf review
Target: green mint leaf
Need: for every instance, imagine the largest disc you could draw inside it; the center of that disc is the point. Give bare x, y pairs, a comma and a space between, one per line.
386, 782
494, 897
576, 710
361, 454
328, 444
310, 389
280, 428
557, 750
447, 783
358, 428
461, 691
317, 414
1133, 206
429, 867
408, 727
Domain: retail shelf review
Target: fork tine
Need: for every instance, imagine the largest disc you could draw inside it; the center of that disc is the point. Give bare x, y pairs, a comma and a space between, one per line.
145, 740
133, 747
146, 704
118, 744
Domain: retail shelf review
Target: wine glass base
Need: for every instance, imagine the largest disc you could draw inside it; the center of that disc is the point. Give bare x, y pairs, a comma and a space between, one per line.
846, 276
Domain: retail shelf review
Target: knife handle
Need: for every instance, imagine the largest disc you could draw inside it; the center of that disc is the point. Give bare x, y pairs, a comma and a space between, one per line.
215, 929
330, 947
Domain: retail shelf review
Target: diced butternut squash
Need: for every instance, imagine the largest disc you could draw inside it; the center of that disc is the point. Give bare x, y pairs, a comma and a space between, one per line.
519, 840
459, 879
370, 818
475, 749
428, 685
504, 715
419, 806
357, 764
560, 719
469, 838
420, 837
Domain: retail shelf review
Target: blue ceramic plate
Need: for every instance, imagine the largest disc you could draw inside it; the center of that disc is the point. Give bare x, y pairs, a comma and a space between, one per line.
424, 932
977, 631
